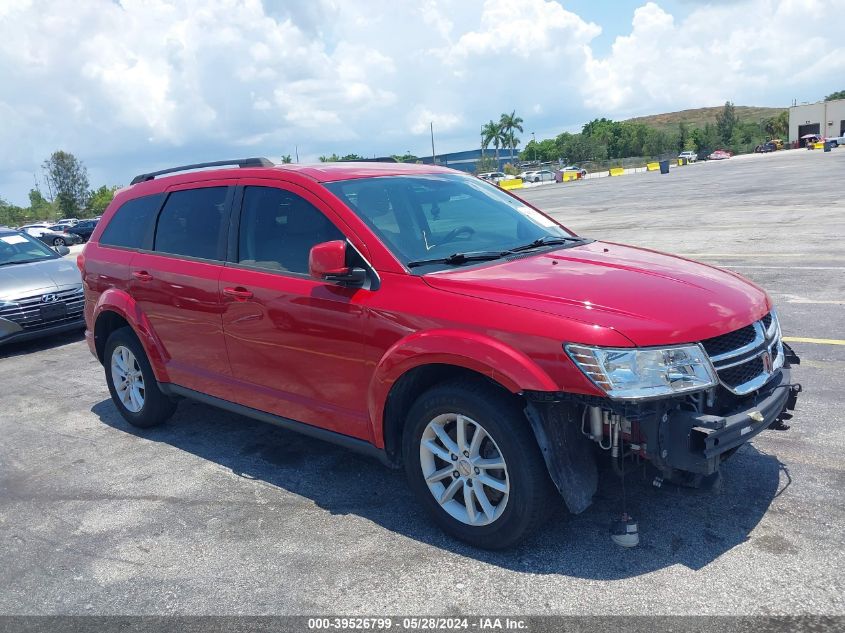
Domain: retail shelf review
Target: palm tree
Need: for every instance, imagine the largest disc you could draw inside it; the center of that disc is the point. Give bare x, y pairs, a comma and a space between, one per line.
492, 132
509, 123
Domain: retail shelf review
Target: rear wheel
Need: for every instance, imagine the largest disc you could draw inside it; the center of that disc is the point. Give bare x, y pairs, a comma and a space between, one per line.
473, 462
131, 381
59, 241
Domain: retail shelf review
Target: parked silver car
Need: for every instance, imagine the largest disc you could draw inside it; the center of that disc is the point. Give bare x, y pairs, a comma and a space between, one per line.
40, 291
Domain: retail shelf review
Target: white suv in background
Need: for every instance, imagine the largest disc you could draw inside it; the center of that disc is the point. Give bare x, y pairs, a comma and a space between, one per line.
690, 156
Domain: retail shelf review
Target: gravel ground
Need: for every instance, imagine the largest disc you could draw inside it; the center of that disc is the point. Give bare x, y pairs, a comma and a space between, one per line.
216, 514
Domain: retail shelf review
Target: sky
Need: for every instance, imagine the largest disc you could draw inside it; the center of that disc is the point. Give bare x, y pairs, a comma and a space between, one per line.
133, 85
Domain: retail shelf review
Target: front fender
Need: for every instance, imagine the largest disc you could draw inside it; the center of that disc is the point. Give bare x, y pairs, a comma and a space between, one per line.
485, 355
121, 303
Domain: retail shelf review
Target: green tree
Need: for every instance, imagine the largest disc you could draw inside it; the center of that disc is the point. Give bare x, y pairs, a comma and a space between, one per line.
98, 200
510, 124
40, 208
67, 180
486, 163
11, 215
492, 134
683, 136
407, 157
726, 121
286, 159
839, 94
330, 159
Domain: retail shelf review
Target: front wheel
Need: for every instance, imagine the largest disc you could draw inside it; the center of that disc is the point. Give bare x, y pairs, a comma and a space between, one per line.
131, 381
59, 241
473, 462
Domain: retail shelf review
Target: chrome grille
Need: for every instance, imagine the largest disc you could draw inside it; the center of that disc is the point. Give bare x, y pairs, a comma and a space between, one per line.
747, 358
27, 311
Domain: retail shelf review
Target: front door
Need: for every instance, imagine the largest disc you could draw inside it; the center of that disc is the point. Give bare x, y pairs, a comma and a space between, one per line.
295, 343
176, 285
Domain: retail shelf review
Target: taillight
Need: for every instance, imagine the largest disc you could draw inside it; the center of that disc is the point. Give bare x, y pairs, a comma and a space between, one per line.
80, 261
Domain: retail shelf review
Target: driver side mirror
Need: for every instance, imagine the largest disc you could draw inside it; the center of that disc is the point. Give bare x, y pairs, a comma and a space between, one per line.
327, 262
61, 249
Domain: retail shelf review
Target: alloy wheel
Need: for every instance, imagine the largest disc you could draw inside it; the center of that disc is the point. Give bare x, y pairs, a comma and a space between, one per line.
464, 469
127, 378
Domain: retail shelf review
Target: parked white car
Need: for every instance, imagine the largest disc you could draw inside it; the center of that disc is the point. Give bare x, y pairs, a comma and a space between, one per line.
35, 230
492, 176
690, 156
837, 140
542, 175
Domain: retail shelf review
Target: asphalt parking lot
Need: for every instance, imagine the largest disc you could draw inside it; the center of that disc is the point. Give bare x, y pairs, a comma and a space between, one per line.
217, 514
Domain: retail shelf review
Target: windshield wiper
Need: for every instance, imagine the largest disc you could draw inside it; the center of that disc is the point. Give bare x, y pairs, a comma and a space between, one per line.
461, 258
547, 240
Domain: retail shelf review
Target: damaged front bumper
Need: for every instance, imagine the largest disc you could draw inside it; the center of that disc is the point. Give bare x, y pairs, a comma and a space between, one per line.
678, 441
697, 443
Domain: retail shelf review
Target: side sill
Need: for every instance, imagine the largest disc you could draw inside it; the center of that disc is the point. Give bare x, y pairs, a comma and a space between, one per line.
350, 443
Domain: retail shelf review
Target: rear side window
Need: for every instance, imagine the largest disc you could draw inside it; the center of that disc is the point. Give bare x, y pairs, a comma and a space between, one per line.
131, 223
192, 223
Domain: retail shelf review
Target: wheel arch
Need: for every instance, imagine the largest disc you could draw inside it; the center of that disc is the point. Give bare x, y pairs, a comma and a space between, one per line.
422, 360
116, 309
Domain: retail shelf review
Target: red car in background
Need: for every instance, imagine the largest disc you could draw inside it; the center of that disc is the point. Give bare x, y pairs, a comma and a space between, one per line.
431, 320
720, 154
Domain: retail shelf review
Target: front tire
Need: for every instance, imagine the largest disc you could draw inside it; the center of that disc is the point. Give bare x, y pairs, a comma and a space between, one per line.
59, 241
473, 462
132, 384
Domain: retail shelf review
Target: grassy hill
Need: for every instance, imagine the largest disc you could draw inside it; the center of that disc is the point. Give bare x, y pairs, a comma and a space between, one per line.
697, 117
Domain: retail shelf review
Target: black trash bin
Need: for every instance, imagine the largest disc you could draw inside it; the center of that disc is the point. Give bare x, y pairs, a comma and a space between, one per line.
827, 146
664, 166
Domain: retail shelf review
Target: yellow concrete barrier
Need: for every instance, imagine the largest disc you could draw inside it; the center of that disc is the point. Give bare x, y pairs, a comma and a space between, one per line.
652, 166
515, 183
617, 171
571, 175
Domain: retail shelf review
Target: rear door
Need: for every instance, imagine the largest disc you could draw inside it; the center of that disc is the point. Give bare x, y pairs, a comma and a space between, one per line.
176, 283
295, 344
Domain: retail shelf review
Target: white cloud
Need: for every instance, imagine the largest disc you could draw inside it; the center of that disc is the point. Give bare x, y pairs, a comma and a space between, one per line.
746, 52
135, 84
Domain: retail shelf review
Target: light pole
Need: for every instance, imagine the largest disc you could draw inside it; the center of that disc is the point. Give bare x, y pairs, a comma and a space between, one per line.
534, 145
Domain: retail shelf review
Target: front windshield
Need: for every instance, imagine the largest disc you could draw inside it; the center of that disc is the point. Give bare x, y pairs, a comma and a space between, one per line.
433, 216
19, 248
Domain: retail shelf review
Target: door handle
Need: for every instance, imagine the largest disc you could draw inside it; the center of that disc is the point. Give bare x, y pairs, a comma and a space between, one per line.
142, 275
240, 293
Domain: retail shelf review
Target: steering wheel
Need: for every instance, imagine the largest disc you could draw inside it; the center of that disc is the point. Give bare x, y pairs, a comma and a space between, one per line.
452, 235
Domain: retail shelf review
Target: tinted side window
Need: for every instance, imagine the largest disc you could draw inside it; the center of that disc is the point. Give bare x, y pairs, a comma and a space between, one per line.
131, 223
278, 229
192, 222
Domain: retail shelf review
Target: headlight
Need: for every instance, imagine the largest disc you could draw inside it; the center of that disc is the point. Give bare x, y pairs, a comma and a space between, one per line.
634, 374
8, 304
774, 327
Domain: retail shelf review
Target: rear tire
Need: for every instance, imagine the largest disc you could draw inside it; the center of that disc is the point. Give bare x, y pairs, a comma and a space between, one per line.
59, 242
132, 383
456, 437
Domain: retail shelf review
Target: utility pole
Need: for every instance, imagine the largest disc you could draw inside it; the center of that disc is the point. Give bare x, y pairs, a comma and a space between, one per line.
296, 151
534, 145
433, 157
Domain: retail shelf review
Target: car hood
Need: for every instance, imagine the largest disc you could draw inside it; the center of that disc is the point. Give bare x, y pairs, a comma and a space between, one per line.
26, 280
649, 297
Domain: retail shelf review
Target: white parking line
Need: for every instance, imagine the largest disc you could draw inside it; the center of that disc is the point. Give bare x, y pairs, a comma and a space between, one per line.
786, 267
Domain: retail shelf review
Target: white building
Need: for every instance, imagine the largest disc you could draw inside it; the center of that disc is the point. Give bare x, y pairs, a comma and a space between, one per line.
826, 118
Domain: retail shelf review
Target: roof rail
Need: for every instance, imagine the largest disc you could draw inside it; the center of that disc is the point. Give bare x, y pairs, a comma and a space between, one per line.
240, 162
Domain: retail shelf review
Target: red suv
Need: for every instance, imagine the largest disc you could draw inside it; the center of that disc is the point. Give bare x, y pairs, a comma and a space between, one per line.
434, 321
